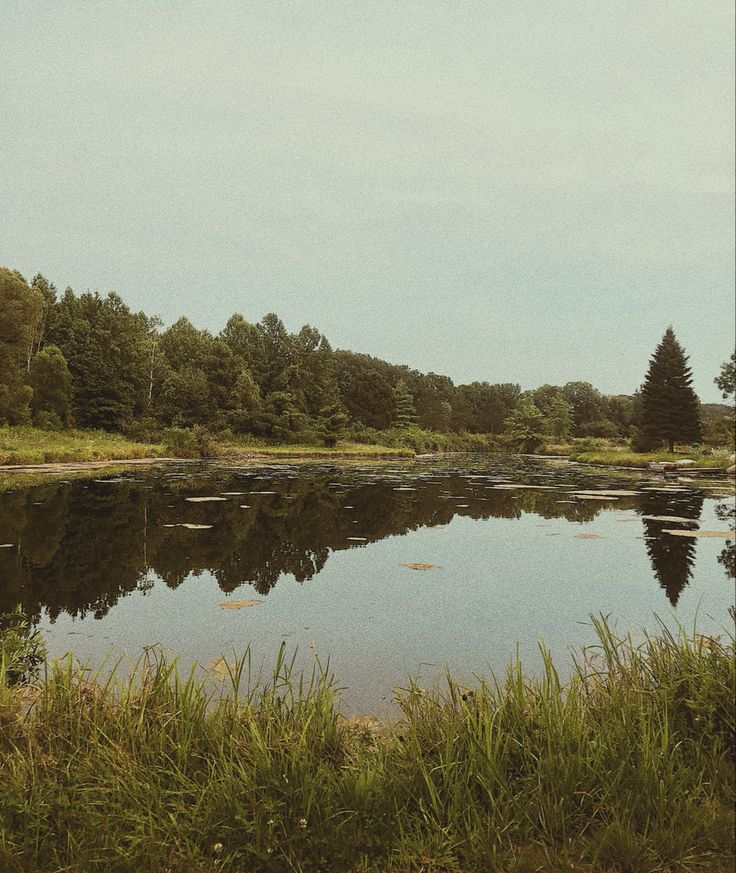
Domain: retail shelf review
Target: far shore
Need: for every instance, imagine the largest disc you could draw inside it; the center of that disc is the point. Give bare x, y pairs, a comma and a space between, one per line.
32, 450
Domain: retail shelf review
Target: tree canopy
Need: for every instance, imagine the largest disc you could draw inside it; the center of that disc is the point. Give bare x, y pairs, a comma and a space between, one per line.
88, 359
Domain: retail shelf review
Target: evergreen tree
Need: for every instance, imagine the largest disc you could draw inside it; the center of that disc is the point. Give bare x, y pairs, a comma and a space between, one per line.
405, 415
670, 411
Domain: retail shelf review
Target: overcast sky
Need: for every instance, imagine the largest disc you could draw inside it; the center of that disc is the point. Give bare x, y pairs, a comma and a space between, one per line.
500, 190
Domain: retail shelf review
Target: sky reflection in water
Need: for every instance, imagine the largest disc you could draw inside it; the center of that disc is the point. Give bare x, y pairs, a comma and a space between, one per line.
103, 564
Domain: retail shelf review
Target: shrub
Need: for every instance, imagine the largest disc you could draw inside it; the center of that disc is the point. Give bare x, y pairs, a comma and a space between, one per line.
196, 442
22, 650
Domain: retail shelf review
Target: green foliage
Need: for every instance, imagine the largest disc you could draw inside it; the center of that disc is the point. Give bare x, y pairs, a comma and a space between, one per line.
22, 650
586, 402
106, 349
51, 382
627, 766
726, 379
558, 418
254, 379
194, 442
20, 311
405, 415
525, 427
35, 445
670, 411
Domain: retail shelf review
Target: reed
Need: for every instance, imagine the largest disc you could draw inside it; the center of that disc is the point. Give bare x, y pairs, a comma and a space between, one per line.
626, 766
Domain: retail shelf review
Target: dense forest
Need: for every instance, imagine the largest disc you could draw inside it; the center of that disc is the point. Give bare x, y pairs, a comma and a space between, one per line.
87, 360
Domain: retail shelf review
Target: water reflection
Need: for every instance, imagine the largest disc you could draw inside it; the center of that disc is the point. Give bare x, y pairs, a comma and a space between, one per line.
672, 557
79, 546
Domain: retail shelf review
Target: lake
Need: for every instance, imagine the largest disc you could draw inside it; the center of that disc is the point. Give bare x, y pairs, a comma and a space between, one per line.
113, 563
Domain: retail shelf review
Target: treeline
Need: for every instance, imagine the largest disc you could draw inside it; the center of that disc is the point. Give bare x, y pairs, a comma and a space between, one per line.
88, 360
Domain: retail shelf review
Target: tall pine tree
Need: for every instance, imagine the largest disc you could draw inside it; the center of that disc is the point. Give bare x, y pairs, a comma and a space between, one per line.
405, 414
670, 409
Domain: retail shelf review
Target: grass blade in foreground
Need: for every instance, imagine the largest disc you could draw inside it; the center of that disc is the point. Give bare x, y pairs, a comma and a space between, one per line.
627, 767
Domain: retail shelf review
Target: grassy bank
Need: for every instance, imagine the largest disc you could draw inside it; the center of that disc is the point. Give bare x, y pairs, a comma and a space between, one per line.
628, 767
341, 450
617, 453
31, 445
20, 446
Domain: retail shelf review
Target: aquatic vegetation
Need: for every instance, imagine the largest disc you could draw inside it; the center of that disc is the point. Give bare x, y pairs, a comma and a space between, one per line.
627, 766
239, 604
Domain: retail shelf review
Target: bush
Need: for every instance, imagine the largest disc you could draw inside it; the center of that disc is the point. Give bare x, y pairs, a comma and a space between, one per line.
22, 650
146, 430
195, 442
46, 420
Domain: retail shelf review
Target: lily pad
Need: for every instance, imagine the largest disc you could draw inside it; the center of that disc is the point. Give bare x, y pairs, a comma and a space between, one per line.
609, 492
716, 534
239, 604
221, 667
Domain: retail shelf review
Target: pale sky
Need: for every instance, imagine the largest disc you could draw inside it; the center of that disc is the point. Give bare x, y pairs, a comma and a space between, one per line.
509, 191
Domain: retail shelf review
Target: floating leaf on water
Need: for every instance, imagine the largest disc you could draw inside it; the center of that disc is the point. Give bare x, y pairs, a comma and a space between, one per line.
723, 534
239, 604
418, 565
589, 536
206, 499
607, 492
221, 667
675, 519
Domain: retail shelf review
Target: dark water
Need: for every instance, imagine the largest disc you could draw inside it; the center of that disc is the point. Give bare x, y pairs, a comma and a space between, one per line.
104, 565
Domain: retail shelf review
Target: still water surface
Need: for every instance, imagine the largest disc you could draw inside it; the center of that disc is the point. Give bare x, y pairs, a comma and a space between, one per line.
104, 565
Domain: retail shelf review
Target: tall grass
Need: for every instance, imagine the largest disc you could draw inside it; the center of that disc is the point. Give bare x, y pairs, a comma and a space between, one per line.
31, 445
627, 766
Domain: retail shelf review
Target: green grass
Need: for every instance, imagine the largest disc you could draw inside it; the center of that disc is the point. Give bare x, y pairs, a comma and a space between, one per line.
718, 459
628, 767
21, 446
30, 445
341, 450
617, 453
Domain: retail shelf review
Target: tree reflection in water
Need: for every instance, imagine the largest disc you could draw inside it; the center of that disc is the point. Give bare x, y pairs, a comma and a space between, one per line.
82, 545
